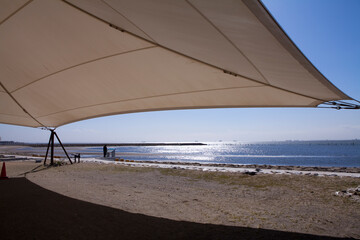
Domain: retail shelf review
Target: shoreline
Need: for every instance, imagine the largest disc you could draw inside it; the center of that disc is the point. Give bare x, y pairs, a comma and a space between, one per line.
259, 166
231, 168
251, 169
215, 167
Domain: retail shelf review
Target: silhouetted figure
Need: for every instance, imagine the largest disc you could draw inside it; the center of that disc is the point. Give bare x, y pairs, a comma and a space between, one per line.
105, 150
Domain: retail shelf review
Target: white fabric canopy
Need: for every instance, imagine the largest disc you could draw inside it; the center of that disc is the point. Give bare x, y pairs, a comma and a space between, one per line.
64, 61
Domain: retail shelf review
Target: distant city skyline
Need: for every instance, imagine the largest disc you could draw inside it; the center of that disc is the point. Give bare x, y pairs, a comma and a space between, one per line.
326, 31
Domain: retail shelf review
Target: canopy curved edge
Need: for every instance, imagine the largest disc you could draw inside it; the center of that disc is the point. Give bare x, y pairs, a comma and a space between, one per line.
159, 78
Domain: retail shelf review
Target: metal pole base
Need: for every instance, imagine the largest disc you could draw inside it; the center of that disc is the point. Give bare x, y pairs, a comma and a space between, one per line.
51, 146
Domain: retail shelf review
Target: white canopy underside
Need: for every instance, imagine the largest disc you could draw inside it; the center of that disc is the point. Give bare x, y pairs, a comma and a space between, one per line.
61, 61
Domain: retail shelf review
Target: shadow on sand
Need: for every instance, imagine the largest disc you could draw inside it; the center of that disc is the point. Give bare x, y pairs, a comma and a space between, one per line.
28, 211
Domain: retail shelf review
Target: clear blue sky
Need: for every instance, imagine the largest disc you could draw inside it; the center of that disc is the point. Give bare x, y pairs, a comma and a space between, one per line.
326, 31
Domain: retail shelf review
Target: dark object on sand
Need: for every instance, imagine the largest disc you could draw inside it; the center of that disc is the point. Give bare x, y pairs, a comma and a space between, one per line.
250, 173
3, 172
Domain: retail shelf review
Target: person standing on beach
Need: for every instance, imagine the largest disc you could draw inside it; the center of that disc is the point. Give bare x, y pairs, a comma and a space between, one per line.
105, 150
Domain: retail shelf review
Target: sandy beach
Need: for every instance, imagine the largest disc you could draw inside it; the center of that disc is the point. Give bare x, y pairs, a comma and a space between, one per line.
282, 202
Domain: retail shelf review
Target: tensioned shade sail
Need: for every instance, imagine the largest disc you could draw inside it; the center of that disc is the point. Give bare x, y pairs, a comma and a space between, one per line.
64, 61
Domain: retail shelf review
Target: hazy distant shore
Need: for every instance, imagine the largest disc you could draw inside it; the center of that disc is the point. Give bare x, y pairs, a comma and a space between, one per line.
109, 144
321, 142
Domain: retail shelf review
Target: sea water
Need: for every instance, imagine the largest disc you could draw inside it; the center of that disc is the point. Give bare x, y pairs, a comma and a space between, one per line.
294, 153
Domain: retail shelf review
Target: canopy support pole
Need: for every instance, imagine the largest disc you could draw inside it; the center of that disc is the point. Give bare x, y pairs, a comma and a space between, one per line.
51, 146
47, 150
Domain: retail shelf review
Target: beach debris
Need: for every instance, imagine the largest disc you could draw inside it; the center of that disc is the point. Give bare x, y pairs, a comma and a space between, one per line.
250, 173
352, 193
59, 163
3, 172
